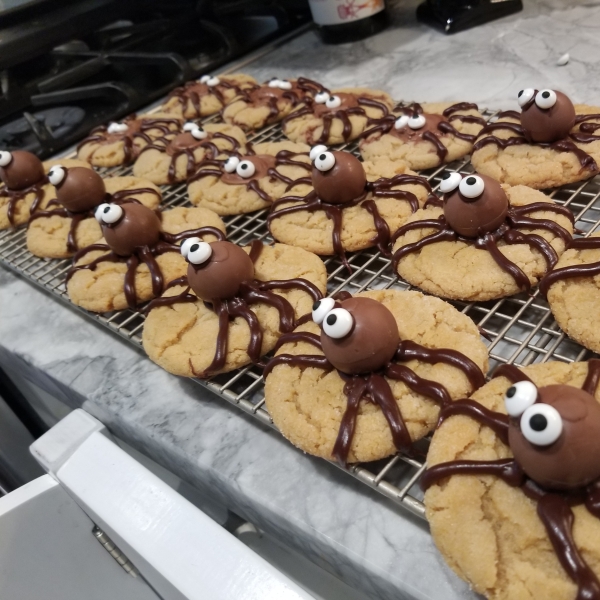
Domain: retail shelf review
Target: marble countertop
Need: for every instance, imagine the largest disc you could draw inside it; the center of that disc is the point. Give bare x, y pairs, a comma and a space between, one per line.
336, 521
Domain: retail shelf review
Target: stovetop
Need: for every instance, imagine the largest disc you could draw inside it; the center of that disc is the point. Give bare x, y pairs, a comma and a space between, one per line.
67, 72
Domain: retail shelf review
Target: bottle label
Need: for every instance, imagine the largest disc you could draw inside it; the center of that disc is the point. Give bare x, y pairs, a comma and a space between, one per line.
334, 12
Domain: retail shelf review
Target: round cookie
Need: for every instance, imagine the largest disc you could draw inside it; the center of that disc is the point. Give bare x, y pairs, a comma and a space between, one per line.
175, 156
573, 291
206, 96
308, 403
489, 532
276, 171
120, 143
505, 151
182, 337
485, 266
102, 289
47, 235
306, 221
423, 136
336, 117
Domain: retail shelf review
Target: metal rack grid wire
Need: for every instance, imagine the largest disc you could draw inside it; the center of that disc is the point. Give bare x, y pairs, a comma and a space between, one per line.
519, 329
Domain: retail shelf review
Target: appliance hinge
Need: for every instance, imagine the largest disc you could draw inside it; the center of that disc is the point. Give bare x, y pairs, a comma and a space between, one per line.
112, 549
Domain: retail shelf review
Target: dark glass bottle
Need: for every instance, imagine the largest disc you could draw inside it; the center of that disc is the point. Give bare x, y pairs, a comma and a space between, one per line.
341, 21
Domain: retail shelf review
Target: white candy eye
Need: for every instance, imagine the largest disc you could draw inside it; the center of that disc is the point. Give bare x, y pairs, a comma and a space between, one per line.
5, 158
189, 126
338, 323
325, 161
245, 169
199, 253
204, 78
519, 397
471, 186
187, 244
108, 213
117, 128
525, 96
274, 83
321, 308
212, 81
450, 182
333, 102
56, 175
199, 134
284, 84
321, 97
416, 121
231, 164
541, 424
316, 150
401, 122
545, 99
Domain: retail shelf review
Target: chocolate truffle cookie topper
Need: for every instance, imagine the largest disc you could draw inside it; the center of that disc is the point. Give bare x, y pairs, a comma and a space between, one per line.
222, 275
360, 339
134, 235
476, 211
554, 435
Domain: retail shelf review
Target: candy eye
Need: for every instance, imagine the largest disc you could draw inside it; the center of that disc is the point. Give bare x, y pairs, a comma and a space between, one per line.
117, 128
338, 323
189, 126
471, 186
204, 78
321, 308
284, 84
245, 169
519, 397
199, 134
325, 161
401, 122
541, 424
333, 102
5, 158
212, 81
274, 83
545, 99
187, 244
450, 182
199, 253
416, 121
231, 164
316, 150
525, 96
321, 97
56, 175
108, 213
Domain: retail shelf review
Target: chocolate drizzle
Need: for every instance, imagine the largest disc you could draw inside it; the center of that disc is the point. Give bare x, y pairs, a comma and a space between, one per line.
553, 508
14, 196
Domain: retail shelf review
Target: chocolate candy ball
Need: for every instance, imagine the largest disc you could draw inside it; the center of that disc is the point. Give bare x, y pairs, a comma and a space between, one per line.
572, 460
81, 190
472, 217
222, 274
139, 226
343, 183
372, 342
24, 170
551, 124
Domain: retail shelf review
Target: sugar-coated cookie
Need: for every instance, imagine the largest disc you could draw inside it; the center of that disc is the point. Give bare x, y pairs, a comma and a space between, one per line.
367, 376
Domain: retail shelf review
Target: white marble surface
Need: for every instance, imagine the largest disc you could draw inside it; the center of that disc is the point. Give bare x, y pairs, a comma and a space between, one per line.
310, 505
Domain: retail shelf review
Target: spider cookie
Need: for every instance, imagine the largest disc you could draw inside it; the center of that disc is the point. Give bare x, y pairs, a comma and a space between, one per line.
336, 117
252, 181
423, 136
176, 155
138, 256
486, 241
270, 102
120, 143
67, 222
232, 307
353, 205
206, 96
368, 375
573, 291
549, 143
513, 494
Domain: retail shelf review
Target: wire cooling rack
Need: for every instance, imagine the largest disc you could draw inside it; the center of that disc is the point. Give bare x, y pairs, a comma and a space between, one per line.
519, 330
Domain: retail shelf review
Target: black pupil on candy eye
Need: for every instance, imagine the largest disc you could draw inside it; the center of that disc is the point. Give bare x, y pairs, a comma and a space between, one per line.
194, 248
538, 422
316, 305
445, 175
107, 209
471, 181
520, 93
331, 319
511, 391
322, 157
243, 166
545, 94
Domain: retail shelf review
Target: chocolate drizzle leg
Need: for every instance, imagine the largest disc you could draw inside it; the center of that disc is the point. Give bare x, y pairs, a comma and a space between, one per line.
15, 196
